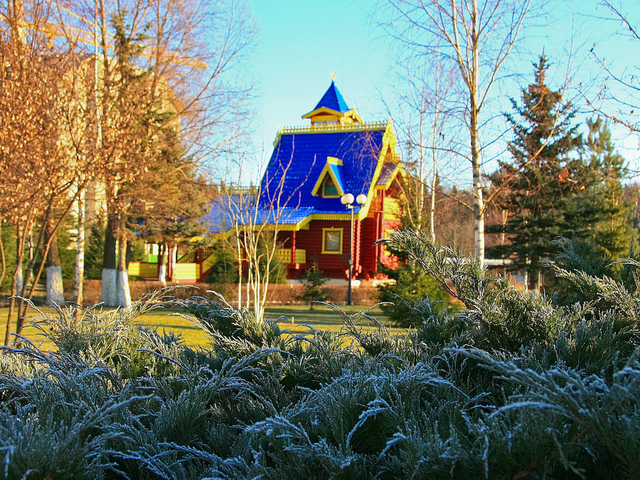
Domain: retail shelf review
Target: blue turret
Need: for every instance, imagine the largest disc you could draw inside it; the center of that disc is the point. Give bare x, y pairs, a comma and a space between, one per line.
332, 110
332, 99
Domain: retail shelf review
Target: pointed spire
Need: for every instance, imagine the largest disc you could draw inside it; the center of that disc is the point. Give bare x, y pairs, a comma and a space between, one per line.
333, 99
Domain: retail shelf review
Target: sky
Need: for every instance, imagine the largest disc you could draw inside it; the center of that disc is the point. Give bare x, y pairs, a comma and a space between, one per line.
302, 41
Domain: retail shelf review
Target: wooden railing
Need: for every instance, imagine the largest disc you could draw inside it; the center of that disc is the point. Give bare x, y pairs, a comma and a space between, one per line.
143, 269
390, 205
186, 271
284, 255
181, 271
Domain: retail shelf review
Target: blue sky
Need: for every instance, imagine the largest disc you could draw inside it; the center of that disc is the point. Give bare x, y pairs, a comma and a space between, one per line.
302, 41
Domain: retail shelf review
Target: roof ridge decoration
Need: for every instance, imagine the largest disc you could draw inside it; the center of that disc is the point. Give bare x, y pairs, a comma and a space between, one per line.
333, 128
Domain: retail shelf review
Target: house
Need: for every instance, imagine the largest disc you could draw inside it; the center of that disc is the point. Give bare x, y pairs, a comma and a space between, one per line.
309, 172
300, 198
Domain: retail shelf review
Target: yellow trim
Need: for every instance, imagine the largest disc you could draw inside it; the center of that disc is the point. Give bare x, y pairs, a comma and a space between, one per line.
304, 223
324, 240
329, 111
356, 127
327, 171
396, 171
388, 142
387, 231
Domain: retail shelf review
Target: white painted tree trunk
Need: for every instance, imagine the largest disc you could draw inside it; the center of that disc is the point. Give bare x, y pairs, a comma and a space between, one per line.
55, 289
162, 274
108, 295
123, 293
19, 280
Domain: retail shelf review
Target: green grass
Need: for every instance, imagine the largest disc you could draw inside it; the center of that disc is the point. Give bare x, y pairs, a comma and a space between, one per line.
290, 318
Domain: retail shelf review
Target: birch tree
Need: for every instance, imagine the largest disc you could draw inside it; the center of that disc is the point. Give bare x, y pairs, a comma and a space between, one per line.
424, 122
477, 37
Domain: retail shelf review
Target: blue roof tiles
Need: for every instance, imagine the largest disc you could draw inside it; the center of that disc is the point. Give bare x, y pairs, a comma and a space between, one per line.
299, 159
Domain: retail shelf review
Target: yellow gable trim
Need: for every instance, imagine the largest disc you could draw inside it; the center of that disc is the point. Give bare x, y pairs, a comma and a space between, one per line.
397, 171
327, 171
388, 141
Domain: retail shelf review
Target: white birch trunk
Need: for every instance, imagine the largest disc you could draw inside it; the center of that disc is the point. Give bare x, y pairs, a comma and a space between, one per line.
123, 295
162, 274
78, 287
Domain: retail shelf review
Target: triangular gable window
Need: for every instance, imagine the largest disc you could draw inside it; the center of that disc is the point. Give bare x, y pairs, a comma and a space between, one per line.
329, 182
329, 188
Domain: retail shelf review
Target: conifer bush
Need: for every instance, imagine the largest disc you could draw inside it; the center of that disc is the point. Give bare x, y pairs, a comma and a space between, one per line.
513, 385
314, 281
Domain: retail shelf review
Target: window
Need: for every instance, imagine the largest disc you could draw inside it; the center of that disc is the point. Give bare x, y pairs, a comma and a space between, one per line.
332, 240
329, 188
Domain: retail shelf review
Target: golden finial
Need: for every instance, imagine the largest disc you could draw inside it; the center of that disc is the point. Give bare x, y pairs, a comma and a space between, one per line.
333, 75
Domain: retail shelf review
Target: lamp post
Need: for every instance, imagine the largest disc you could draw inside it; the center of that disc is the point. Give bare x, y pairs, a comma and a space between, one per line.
347, 201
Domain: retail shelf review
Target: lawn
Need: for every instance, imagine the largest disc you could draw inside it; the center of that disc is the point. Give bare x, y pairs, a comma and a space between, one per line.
291, 318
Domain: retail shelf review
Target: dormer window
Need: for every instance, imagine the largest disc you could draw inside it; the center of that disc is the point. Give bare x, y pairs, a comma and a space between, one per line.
329, 188
329, 182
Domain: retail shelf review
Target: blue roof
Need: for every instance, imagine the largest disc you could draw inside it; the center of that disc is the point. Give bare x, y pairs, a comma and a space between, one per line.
226, 210
333, 99
298, 161
336, 170
386, 173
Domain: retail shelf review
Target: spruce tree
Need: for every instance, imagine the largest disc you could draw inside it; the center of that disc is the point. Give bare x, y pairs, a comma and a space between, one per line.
314, 281
600, 208
545, 170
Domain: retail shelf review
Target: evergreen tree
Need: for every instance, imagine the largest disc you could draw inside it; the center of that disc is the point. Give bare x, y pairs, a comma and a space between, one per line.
601, 209
314, 281
543, 174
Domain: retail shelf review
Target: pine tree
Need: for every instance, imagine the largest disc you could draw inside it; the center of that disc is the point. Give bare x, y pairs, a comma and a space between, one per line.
542, 175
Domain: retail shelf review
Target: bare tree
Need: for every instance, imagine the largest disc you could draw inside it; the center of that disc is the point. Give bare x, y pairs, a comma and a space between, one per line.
477, 37
424, 120
162, 64
256, 216
618, 99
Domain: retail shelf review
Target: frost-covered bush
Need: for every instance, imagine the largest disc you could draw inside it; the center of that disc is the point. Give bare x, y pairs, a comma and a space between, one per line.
514, 385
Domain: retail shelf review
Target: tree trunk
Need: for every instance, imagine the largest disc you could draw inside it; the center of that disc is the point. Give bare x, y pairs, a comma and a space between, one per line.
2, 258
170, 263
108, 290
123, 295
78, 287
478, 201
16, 284
239, 252
162, 266
55, 289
